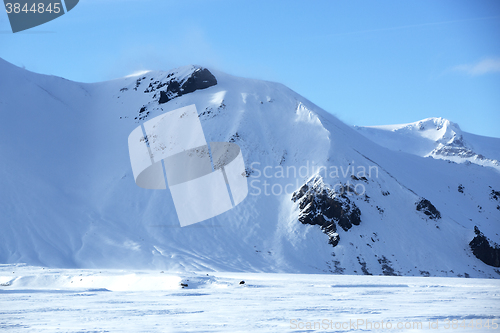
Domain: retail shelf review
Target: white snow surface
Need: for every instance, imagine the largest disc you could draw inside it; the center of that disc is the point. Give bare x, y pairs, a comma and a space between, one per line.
68, 197
76, 300
428, 137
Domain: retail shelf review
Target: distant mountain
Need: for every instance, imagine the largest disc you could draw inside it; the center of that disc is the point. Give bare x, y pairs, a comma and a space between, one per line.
437, 138
323, 197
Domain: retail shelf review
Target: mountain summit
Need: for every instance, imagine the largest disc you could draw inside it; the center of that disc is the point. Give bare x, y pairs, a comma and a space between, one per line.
438, 138
323, 196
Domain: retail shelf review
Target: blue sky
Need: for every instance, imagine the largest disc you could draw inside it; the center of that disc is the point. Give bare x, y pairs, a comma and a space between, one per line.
367, 62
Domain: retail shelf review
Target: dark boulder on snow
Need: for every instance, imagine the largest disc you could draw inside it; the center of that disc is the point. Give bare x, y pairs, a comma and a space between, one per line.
201, 78
495, 195
334, 239
386, 267
319, 205
483, 251
428, 209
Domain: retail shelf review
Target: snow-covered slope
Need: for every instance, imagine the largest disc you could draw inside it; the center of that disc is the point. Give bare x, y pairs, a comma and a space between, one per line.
437, 138
68, 197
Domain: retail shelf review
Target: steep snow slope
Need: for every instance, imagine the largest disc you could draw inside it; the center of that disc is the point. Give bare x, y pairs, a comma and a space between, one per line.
68, 197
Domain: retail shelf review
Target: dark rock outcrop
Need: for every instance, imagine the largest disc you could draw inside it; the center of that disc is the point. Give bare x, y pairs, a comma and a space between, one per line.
386, 266
482, 249
174, 85
428, 209
363, 267
495, 195
319, 205
201, 78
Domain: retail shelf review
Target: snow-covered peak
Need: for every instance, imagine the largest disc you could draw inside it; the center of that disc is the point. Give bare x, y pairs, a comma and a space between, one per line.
434, 129
440, 130
435, 137
435, 122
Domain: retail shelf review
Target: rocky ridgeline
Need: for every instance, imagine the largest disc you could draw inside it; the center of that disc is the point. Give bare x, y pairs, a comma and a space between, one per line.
201, 78
172, 86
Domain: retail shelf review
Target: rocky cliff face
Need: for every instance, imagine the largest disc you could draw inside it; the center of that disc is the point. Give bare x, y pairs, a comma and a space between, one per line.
322, 206
483, 250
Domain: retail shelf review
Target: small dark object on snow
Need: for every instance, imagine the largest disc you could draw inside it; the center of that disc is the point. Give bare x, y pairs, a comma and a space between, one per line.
184, 285
242, 282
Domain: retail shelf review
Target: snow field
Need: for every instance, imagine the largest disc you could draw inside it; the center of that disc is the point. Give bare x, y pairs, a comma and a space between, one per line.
45, 300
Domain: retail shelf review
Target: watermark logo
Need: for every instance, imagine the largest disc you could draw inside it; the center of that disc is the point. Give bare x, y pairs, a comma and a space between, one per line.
205, 180
277, 180
25, 15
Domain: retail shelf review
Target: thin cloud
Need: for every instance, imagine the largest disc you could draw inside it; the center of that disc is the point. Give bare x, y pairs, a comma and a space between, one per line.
485, 66
137, 73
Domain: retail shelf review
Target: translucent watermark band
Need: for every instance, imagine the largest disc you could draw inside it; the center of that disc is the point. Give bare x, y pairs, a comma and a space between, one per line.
204, 180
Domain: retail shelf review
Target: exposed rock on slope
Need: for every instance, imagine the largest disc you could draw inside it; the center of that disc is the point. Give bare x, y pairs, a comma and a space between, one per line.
178, 83
426, 207
319, 205
483, 250
201, 78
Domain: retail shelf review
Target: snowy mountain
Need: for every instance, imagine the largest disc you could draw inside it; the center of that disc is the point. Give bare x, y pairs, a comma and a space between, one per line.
437, 138
323, 197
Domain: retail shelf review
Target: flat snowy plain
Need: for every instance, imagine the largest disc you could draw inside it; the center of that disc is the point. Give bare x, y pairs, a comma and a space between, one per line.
75, 300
